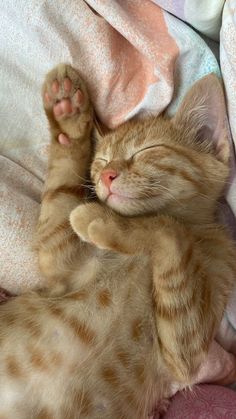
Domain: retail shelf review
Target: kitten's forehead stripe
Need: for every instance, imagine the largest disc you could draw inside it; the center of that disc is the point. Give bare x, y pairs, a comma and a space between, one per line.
182, 173
181, 152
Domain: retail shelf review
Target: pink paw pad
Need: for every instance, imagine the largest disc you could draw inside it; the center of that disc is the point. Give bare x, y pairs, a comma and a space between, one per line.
64, 98
63, 107
67, 85
55, 87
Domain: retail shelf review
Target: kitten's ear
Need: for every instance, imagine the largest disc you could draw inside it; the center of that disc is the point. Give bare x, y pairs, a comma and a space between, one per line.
203, 111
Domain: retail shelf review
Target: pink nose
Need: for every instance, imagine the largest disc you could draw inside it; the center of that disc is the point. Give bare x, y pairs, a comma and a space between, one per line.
108, 176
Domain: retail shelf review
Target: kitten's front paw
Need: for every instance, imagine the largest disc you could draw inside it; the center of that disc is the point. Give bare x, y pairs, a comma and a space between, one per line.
65, 99
64, 92
82, 216
97, 225
103, 234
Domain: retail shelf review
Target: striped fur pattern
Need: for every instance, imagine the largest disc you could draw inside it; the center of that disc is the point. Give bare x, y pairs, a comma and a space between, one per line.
135, 283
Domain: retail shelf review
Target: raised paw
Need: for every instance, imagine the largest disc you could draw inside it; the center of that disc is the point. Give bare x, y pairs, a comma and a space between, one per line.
64, 92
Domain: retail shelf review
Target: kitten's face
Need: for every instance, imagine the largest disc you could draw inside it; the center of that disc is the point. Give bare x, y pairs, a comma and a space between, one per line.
144, 167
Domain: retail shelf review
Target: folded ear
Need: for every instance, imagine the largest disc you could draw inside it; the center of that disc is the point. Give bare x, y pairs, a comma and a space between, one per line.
203, 112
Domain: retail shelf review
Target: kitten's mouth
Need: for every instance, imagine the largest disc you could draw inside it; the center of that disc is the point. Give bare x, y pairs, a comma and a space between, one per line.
117, 200
115, 197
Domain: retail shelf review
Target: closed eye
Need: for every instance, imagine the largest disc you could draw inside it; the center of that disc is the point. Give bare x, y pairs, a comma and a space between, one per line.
147, 148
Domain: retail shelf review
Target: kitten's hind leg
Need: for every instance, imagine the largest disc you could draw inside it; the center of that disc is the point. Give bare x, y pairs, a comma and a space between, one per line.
70, 117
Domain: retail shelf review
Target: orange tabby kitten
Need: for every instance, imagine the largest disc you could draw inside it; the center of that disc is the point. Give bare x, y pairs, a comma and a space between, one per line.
133, 296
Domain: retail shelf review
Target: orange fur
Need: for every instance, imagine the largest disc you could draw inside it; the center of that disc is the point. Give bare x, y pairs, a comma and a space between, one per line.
135, 290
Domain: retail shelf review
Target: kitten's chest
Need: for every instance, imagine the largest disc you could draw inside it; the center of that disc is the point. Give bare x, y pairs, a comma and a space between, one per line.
120, 296
119, 272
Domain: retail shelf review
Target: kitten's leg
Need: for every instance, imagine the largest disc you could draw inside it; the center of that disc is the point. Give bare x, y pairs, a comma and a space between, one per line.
70, 116
189, 301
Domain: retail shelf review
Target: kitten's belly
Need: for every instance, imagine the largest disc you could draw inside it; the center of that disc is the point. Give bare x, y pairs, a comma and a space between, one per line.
125, 319
126, 322
120, 284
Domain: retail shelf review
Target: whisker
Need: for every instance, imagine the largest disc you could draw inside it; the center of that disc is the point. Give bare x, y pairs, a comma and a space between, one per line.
79, 177
157, 185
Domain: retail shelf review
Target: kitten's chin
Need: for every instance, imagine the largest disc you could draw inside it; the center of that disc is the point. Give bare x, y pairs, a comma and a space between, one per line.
129, 206
122, 204
132, 206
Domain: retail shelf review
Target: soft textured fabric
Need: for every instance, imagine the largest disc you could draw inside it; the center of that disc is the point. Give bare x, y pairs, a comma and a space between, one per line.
228, 68
204, 15
137, 59
204, 402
